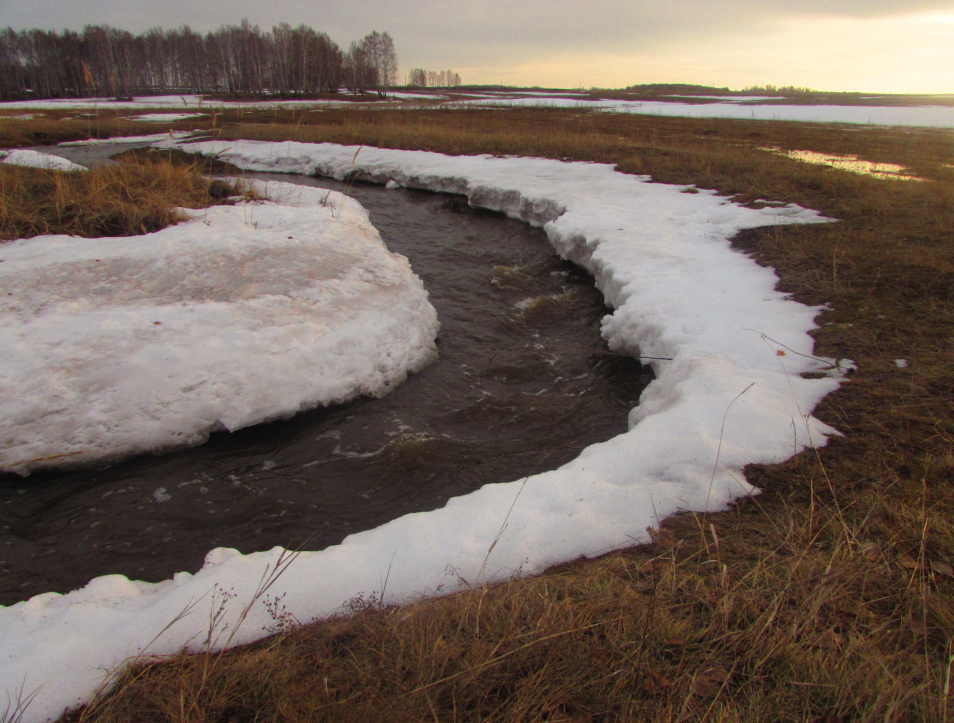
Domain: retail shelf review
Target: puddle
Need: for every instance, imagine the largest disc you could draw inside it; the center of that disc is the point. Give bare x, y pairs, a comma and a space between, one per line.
852, 164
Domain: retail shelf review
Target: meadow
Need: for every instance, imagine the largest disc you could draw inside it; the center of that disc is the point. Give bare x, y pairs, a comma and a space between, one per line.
827, 598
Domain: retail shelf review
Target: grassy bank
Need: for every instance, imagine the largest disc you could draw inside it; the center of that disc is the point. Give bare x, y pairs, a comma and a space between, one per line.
130, 198
827, 598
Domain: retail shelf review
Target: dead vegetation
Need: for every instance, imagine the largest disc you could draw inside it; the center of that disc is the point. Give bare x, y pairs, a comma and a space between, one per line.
827, 598
126, 199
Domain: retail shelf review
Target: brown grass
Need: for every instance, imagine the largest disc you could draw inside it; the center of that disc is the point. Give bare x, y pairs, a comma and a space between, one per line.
827, 598
59, 126
126, 199
754, 618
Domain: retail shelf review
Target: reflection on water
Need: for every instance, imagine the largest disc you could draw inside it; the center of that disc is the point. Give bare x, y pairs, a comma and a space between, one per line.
849, 163
523, 382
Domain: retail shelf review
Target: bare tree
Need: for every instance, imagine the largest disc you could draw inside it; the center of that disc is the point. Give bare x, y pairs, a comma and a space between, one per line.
418, 78
234, 59
434, 79
358, 70
381, 57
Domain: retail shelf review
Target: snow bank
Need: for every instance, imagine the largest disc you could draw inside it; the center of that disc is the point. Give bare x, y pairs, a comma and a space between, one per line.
121, 346
35, 159
174, 135
166, 117
733, 394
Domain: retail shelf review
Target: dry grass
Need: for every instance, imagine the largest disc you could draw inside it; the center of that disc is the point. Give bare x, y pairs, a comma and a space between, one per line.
738, 617
49, 127
127, 199
827, 598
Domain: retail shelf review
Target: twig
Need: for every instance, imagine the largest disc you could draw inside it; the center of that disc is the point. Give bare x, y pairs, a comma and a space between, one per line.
715, 466
507, 517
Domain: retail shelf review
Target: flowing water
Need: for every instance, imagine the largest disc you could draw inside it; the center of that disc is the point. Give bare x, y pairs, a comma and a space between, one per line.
523, 383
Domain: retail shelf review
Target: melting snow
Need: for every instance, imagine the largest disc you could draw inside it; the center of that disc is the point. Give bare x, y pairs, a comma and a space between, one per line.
131, 139
166, 117
937, 116
252, 312
663, 261
35, 159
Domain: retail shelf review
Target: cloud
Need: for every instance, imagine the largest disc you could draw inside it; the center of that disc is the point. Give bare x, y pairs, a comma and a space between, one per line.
494, 39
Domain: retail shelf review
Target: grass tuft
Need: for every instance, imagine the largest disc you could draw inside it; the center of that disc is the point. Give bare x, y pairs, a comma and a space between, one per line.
125, 199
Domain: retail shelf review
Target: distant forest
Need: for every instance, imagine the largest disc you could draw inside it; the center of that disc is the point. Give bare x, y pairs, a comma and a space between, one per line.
235, 59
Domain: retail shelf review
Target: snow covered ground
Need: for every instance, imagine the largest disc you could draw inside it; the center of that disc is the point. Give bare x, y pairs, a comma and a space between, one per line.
934, 116
166, 117
35, 159
131, 139
732, 394
252, 312
186, 102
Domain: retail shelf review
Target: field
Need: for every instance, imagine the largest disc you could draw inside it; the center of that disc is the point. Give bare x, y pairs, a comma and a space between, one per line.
826, 598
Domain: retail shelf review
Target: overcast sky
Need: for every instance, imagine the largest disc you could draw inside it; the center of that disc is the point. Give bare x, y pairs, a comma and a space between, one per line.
896, 46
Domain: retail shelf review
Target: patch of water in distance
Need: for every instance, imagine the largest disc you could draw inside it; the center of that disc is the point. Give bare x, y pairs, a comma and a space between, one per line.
852, 164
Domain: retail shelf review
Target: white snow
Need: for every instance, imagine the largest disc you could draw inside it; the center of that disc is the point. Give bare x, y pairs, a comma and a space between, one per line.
130, 139
935, 116
253, 312
401, 95
190, 102
35, 159
928, 116
733, 394
166, 117
901, 363
157, 101
733, 98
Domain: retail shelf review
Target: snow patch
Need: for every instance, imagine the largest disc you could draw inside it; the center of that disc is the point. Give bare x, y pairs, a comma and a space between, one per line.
934, 116
171, 135
120, 346
35, 159
165, 117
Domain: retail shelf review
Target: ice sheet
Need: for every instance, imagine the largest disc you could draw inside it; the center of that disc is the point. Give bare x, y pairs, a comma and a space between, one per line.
731, 395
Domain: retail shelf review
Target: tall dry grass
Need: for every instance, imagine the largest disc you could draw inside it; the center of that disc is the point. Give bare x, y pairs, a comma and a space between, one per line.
779, 614
125, 199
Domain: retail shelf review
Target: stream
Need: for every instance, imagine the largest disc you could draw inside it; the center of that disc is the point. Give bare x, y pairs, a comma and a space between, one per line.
523, 383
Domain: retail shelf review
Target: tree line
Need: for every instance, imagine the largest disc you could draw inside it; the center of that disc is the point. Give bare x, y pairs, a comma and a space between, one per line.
421, 78
235, 59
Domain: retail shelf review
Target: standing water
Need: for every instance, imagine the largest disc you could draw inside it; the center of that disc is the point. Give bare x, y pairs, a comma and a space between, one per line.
523, 383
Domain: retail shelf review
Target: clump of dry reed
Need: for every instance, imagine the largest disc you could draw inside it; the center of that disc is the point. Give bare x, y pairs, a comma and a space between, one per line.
124, 199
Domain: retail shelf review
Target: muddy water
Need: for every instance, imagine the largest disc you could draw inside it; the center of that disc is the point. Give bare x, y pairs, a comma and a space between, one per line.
524, 381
